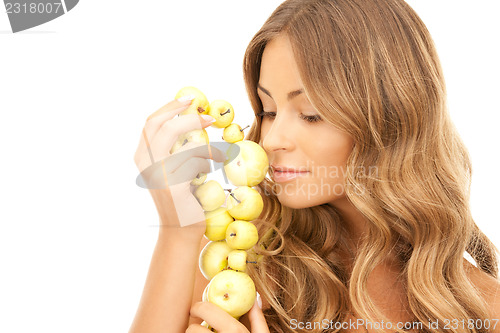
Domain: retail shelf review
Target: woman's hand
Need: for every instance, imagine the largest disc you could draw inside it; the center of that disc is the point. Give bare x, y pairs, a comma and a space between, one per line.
168, 176
222, 322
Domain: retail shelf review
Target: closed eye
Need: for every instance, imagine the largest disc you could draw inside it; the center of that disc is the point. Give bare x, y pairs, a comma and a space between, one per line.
272, 115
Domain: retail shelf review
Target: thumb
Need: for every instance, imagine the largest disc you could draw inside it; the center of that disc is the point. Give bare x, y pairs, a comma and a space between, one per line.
257, 320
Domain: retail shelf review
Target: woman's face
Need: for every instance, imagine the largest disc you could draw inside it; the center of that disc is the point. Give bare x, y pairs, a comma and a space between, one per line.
291, 141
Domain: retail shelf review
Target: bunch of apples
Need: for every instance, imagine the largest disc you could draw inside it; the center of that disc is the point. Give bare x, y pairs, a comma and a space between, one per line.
223, 261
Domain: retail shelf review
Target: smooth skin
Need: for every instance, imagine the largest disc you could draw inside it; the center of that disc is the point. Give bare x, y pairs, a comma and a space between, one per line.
173, 283
290, 140
323, 149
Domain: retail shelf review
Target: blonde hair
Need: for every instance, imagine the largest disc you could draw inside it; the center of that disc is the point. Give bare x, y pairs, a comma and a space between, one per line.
371, 69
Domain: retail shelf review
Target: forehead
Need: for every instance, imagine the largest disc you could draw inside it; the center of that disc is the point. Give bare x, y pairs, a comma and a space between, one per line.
278, 70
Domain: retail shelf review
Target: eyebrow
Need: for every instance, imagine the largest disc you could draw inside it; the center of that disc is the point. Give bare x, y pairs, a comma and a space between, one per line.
290, 95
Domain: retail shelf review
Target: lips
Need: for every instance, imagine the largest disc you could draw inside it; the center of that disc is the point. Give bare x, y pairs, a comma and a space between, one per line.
283, 174
287, 169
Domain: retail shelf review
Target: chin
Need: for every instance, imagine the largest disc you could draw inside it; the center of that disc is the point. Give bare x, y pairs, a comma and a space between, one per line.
292, 203
295, 200
300, 201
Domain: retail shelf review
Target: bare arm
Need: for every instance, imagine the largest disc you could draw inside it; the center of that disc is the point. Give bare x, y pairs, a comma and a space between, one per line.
168, 291
199, 284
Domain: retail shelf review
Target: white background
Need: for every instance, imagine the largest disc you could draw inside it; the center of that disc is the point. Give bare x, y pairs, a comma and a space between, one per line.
76, 233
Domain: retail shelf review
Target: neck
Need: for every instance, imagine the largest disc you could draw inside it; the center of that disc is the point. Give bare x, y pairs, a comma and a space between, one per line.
355, 222
356, 225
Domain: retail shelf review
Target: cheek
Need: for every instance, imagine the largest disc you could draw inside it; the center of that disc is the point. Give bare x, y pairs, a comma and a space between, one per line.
264, 128
330, 158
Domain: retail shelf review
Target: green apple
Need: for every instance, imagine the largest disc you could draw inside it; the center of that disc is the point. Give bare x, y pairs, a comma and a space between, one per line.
210, 195
233, 291
213, 258
222, 112
200, 179
197, 135
241, 235
246, 163
233, 133
217, 221
245, 203
237, 260
199, 105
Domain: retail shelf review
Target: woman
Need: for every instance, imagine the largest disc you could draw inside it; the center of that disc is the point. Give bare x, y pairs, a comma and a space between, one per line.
350, 93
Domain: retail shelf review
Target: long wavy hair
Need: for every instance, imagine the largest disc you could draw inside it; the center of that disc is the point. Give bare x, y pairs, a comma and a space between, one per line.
371, 69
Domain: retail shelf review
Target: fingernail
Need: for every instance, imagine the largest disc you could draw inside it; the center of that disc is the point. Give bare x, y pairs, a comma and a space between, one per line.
185, 98
208, 118
259, 300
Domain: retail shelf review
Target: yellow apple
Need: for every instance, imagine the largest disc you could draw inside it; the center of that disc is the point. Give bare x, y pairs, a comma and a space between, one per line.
267, 236
233, 291
213, 258
245, 203
246, 163
217, 221
253, 257
205, 324
197, 135
237, 260
233, 133
210, 195
199, 105
200, 179
241, 235
222, 112
204, 297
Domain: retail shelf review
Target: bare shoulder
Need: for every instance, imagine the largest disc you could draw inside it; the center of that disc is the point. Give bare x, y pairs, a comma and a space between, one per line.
489, 287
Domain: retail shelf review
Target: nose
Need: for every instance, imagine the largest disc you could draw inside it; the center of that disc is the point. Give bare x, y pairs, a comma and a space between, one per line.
278, 134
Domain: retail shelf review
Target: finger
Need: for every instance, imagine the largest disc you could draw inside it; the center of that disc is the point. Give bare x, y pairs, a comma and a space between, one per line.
162, 142
168, 112
183, 166
174, 162
190, 150
188, 171
216, 317
196, 328
168, 108
153, 125
257, 320
156, 120
151, 128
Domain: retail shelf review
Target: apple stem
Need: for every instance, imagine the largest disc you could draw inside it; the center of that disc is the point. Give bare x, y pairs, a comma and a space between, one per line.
241, 130
200, 109
226, 296
227, 111
232, 234
227, 189
251, 262
232, 194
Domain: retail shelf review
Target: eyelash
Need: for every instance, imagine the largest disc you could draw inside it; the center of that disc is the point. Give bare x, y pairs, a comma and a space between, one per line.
310, 119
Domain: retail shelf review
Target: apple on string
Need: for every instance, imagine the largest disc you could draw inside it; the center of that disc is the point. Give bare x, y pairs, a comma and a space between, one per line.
217, 222
233, 133
223, 261
213, 258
